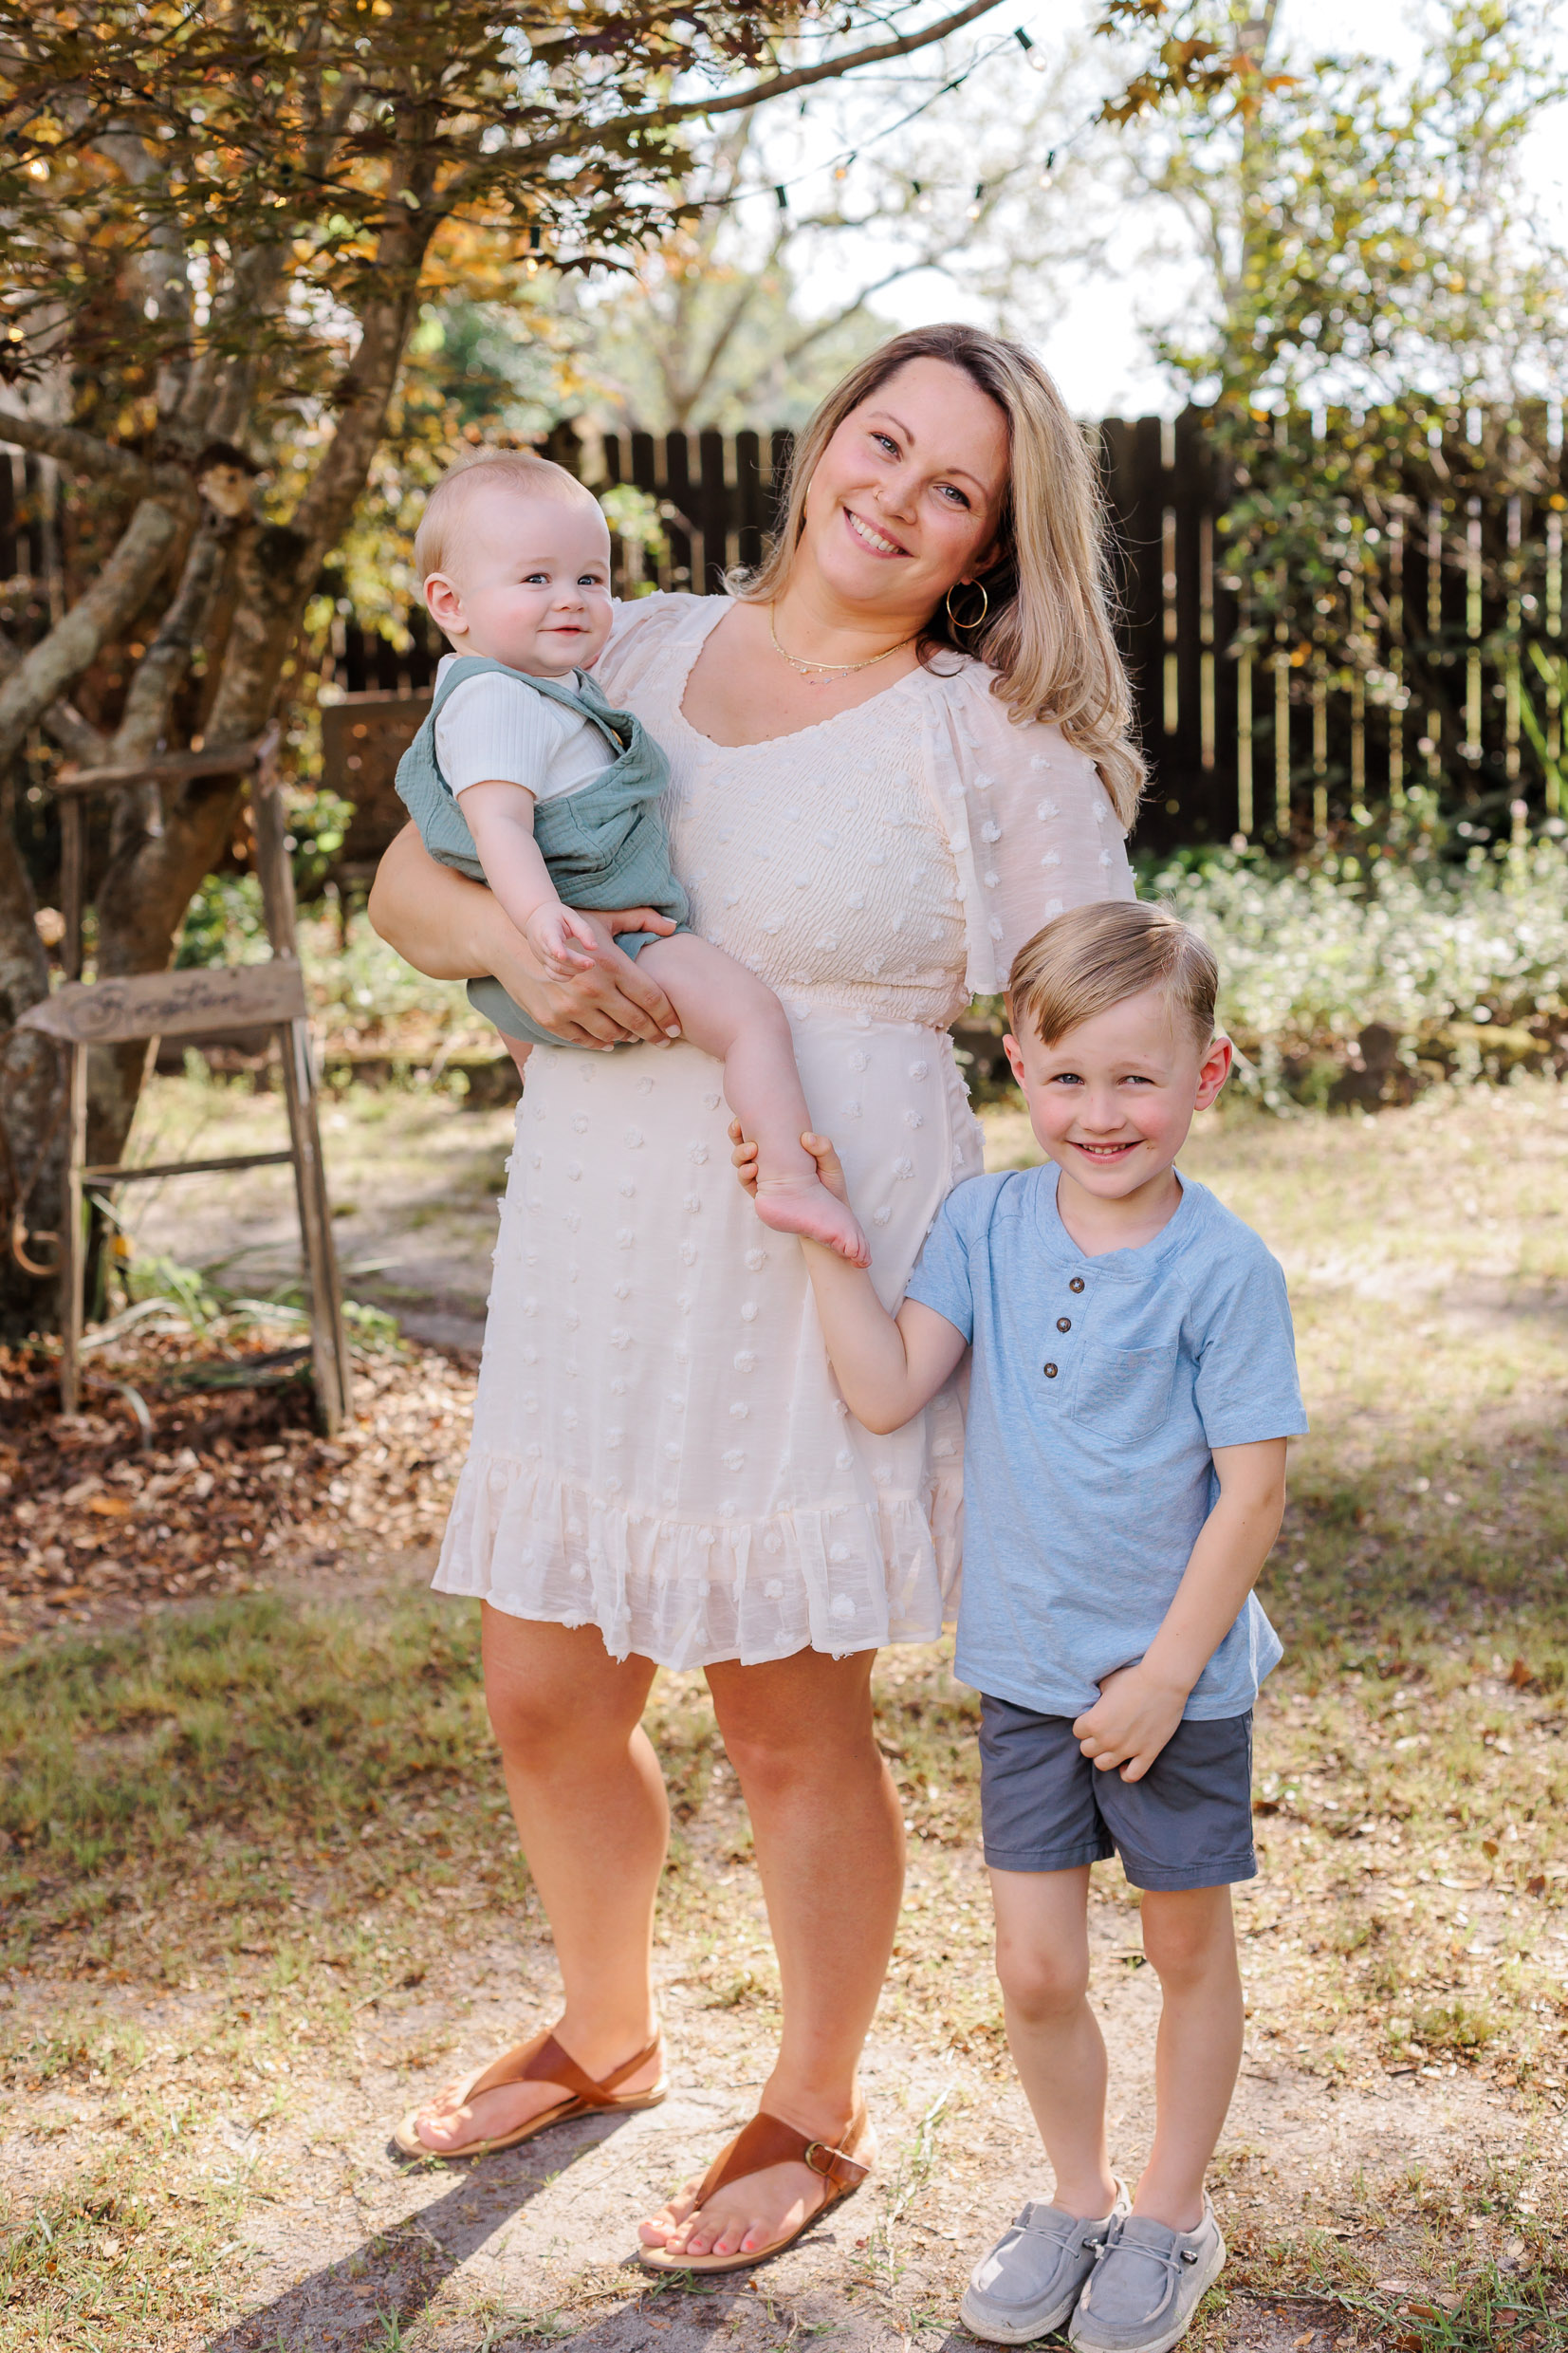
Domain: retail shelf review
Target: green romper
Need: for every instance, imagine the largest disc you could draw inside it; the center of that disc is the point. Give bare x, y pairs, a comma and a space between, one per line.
605, 844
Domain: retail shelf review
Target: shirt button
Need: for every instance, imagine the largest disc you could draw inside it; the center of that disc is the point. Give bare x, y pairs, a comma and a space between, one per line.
1077, 1282
1064, 1323
1050, 1372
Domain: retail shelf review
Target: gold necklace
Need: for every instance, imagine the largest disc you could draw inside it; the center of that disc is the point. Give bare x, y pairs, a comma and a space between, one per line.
839, 669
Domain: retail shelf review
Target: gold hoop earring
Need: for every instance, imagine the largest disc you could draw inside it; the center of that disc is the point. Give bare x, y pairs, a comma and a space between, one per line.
979, 621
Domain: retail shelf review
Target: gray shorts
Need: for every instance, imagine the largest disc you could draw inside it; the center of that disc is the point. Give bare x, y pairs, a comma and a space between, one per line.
1187, 1824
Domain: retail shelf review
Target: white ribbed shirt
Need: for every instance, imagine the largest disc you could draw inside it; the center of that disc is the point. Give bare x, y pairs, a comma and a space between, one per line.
490, 729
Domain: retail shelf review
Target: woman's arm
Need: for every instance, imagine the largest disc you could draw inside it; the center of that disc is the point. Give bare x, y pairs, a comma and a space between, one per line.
454, 929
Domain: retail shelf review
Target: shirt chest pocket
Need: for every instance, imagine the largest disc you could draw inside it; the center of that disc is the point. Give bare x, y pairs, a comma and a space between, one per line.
1124, 1393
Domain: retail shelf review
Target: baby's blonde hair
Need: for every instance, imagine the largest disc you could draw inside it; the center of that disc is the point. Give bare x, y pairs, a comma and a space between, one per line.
1093, 958
538, 477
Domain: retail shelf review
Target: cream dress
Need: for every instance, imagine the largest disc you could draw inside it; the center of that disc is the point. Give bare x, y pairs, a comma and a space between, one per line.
659, 1447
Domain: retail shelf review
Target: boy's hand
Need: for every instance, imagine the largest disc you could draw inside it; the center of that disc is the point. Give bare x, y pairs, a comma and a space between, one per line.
1130, 1722
564, 941
829, 1167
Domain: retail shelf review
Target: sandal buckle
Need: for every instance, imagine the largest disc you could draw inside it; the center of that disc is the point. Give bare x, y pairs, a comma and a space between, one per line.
815, 2148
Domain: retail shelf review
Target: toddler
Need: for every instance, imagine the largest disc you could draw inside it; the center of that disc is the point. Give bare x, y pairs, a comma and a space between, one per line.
523, 777
1133, 1385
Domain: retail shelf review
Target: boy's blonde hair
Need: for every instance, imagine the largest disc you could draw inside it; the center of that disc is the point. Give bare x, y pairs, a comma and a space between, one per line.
1093, 958
521, 470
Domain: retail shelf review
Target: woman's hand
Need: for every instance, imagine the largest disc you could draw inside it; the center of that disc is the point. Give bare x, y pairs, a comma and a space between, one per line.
608, 1003
829, 1167
454, 929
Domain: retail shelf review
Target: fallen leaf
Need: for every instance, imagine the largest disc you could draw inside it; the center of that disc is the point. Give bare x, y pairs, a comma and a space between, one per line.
109, 1506
1536, 1886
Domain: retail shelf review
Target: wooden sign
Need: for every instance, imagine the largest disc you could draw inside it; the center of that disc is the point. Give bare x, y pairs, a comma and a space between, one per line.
170, 1005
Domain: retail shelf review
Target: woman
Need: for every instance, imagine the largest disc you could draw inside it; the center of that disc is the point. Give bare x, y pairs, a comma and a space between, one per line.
662, 1471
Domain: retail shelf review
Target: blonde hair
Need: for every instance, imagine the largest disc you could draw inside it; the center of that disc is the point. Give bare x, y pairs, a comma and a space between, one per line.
538, 477
1047, 634
1093, 958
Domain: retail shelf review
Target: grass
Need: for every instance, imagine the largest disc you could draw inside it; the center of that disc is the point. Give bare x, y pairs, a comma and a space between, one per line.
235, 1837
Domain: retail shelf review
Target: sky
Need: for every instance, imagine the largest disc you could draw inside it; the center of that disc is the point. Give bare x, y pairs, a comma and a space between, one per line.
1094, 345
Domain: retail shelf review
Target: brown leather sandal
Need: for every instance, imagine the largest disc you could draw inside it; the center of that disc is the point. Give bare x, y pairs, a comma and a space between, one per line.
543, 2061
768, 2140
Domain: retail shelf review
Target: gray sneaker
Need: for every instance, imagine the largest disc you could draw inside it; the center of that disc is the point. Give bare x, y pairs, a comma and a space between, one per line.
1146, 2286
1030, 2280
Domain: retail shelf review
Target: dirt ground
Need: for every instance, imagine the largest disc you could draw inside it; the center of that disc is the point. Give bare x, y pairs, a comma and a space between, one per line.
224, 1990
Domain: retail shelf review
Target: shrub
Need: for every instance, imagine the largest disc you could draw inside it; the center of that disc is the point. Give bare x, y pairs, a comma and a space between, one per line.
1370, 976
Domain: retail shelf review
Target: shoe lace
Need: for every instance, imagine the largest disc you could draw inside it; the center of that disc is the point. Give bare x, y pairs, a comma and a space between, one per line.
1065, 2232
1174, 2259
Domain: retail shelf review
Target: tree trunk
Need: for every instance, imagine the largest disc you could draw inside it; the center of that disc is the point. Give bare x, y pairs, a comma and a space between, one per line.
31, 1088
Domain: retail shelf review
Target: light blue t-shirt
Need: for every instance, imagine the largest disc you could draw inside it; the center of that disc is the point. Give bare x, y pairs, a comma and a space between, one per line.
1099, 1387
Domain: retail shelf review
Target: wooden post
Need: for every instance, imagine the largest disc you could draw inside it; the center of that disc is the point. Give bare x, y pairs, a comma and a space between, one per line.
73, 1245
298, 1077
273, 868
72, 874
328, 1347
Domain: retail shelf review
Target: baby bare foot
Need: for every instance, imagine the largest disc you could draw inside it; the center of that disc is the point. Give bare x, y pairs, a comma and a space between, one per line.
803, 1205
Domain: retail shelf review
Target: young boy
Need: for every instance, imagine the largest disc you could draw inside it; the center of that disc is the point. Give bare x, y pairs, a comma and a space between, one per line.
523, 777
1132, 1389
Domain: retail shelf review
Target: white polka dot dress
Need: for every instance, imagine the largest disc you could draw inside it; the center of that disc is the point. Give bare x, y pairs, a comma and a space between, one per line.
659, 1447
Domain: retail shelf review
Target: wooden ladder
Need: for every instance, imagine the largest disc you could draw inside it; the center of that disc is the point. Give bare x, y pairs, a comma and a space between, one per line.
190, 1004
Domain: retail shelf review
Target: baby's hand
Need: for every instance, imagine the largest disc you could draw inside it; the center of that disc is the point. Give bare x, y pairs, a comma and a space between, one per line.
1130, 1722
558, 936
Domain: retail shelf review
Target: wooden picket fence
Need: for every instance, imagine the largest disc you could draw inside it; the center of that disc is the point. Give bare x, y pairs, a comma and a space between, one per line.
1270, 727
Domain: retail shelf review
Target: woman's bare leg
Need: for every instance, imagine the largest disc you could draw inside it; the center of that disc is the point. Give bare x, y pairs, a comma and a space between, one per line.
589, 1802
830, 1847
730, 1013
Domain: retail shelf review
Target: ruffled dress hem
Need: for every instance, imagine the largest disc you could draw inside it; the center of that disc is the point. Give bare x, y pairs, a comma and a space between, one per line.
839, 1578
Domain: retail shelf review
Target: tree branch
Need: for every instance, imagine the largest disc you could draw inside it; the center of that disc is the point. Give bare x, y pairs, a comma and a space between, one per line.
84, 453
117, 593
77, 737
465, 182
802, 77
